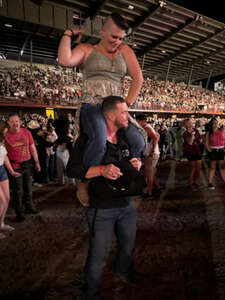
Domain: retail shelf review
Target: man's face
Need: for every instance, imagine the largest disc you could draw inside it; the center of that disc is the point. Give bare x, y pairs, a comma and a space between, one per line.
112, 37
14, 123
189, 124
121, 116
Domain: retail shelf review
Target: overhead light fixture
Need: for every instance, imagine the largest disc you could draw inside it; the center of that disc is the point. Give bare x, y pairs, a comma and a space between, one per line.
162, 3
21, 52
8, 25
163, 51
131, 7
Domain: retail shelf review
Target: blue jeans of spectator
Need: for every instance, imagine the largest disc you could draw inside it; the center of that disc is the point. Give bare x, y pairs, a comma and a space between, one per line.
106, 223
93, 125
50, 166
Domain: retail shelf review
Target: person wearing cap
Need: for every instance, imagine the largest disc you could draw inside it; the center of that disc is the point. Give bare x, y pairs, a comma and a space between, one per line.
107, 214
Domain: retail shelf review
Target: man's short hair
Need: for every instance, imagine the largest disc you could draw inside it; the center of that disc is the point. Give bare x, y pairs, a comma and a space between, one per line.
141, 117
109, 104
13, 115
119, 21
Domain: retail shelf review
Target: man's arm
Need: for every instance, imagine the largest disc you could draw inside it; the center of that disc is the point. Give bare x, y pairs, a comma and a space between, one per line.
10, 168
207, 142
109, 171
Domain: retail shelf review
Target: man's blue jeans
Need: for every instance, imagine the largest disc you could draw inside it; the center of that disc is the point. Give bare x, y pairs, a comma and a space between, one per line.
102, 227
94, 125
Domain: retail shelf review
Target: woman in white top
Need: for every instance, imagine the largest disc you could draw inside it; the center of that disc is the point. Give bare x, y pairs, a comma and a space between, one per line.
4, 182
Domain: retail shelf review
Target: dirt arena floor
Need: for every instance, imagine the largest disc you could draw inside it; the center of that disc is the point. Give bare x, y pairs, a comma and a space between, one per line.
179, 253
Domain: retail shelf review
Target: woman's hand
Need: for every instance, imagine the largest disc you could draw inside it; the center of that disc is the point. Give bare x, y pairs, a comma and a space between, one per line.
77, 33
15, 174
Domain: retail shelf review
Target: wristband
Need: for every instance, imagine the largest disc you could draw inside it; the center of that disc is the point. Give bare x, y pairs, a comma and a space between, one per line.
36, 162
65, 34
101, 170
71, 31
127, 102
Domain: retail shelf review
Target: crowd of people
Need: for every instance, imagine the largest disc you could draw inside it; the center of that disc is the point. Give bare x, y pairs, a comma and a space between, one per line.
40, 84
171, 96
54, 139
38, 149
58, 85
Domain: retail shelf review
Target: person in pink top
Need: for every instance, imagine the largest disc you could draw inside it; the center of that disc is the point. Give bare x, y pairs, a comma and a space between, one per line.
215, 142
4, 182
21, 149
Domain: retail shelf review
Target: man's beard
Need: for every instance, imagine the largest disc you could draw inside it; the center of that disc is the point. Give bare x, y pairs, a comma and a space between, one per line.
120, 125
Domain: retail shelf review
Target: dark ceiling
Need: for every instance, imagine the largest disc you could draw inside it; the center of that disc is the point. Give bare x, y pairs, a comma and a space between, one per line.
171, 42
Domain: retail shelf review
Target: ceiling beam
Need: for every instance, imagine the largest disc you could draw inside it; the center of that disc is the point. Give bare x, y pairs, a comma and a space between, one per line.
142, 18
199, 60
164, 39
95, 7
74, 5
24, 44
188, 48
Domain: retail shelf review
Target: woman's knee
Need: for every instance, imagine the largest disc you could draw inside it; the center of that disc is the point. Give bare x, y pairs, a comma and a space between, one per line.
3, 201
135, 139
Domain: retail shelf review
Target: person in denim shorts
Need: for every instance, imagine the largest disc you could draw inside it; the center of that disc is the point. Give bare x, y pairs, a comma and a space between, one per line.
4, 182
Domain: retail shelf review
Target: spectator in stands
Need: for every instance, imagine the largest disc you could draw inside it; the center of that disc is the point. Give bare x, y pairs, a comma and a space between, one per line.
55, 85
4, 182
215, 143
21, 148
151, 154
192, 151
104, 66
